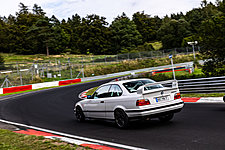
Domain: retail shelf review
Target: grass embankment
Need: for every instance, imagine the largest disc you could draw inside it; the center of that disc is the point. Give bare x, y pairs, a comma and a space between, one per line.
135, 64
14, 58
203, 95
180, 75
14, 141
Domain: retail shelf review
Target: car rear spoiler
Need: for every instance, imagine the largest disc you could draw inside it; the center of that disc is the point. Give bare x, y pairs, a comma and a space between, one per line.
174, 86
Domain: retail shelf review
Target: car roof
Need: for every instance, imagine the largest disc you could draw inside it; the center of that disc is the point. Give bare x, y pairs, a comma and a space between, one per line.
125, 81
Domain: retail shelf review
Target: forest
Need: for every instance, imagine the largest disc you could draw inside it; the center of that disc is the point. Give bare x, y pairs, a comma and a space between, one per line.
30, 31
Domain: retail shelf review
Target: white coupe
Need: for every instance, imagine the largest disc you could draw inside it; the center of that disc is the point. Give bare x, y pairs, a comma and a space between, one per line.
126, 100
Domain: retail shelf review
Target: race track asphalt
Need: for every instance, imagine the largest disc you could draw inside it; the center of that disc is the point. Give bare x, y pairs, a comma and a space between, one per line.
197, 126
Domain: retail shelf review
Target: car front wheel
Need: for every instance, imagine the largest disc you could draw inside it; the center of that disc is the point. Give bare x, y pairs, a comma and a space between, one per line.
166, 118
121, 118
79, 114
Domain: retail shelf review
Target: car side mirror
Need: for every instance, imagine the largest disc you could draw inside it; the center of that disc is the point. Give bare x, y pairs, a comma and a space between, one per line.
88, 96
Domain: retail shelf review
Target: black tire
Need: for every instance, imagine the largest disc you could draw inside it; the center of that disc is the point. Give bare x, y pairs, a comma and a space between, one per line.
79, 114
166, 118
121, 118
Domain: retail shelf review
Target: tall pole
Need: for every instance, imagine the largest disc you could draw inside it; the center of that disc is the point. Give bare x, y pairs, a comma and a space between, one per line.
193, 47
17, 67
171, 58
21, 79
83, 67
71, 73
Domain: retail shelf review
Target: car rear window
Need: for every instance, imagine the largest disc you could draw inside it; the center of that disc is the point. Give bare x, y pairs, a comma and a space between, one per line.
134, 85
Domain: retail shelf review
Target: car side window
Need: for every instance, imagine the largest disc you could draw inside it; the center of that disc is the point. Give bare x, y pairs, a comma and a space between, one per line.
102, 92
115, 90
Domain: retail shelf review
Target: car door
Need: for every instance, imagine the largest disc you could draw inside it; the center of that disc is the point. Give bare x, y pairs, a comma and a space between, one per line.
95, 108
115, 93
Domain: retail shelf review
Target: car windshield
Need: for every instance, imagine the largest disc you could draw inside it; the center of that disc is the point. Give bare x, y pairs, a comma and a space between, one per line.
134, 85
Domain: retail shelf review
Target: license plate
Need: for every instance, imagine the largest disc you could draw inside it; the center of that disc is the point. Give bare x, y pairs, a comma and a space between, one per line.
163, 98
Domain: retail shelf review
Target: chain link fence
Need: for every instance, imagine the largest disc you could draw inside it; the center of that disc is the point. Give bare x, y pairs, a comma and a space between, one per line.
21, 73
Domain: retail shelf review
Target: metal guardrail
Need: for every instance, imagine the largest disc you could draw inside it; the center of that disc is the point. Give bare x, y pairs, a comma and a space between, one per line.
190, 64
202, 85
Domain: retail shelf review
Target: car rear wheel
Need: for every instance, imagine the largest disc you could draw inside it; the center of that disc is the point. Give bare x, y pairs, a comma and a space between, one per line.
79, 114
121, 118
166, 118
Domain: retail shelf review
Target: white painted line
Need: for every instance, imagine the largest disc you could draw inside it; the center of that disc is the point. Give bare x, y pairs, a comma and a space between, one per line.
211, 100
74, 136
69, 140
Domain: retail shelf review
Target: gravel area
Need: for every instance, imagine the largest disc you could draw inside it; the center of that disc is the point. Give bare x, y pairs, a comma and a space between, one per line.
7, 126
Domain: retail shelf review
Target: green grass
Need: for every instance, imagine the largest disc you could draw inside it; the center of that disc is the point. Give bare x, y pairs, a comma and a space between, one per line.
177, 73
91, 91
203, 95
14, 141
198, 71
14, 58
157, 45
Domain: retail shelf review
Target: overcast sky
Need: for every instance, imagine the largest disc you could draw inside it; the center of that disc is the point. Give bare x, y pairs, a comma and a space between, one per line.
110, 9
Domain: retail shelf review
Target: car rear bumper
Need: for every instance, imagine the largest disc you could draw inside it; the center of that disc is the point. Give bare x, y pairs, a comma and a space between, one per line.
156, 111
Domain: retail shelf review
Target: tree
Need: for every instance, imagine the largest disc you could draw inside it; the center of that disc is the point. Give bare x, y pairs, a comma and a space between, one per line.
213, 45
177, 16
173, 32
61, 40
54, 21
41, 33
3, 36
221, 5
23, 9
125, 35
37, 10
146, 25
194, 17
93, 35
75, 23
18, 30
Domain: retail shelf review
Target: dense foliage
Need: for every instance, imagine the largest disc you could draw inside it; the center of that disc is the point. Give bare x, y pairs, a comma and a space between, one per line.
212, 32
32, 32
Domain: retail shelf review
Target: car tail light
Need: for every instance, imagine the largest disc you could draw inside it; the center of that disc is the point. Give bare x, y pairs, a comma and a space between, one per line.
142, 102
177, 96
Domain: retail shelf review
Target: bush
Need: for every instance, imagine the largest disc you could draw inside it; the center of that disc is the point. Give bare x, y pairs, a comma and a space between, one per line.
36, 80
